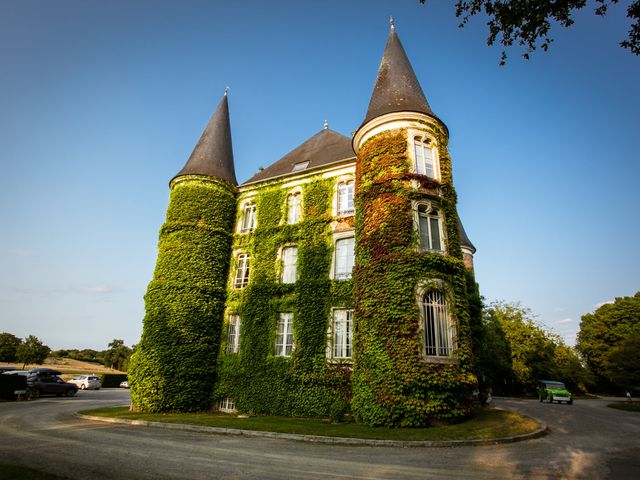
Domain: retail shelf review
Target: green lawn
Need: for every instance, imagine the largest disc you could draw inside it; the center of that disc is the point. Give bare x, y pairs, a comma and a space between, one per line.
627, 406
487, 424
14, 472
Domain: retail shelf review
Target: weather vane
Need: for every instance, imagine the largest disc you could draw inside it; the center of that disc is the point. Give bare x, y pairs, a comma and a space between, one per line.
391, 23
326, 124
226, 90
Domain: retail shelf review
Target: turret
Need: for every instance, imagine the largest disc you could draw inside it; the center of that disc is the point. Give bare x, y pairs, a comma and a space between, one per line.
412, 345
174, 366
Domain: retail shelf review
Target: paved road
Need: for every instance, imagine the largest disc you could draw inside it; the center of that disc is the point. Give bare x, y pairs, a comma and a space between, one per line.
587, 440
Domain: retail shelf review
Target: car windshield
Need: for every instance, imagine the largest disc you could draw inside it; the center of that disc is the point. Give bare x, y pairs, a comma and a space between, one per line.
556, 386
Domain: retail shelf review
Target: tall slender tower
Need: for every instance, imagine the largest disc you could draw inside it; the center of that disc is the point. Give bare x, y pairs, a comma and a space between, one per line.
412, 342
174, 366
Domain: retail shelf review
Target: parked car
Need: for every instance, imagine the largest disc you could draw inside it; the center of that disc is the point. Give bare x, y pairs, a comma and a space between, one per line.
24, 373
47, 384
86, 382
124, 384
554, 391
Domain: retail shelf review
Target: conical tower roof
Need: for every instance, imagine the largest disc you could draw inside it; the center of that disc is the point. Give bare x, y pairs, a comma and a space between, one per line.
464, 238
397, 88
213, 155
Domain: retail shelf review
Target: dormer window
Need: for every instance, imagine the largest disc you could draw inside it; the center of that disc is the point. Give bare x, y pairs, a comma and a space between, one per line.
248, 218
345, 198
430, 228
300, 166
293, 208
425, 162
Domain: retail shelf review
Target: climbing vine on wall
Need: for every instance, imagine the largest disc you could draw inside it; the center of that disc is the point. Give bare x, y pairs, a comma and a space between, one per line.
393, 385
304, 384
174, 367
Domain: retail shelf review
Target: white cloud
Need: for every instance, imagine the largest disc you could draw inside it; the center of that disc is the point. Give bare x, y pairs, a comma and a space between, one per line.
565, 320
21, 252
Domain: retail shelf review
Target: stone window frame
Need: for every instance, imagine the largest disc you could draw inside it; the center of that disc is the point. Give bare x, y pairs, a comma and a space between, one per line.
424, 138
244, 205
233, 333
281, 265
330, 335
293, 193
429, 205
336, 238
285, 343
237, 282
424, 287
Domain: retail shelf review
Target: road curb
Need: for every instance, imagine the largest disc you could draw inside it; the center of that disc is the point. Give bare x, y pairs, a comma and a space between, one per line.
319, 438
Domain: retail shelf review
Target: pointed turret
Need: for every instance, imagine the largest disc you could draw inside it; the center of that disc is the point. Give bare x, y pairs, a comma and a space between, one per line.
213, 155
396, 89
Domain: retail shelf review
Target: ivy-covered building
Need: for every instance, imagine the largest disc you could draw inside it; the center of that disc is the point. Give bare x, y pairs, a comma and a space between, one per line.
336, 279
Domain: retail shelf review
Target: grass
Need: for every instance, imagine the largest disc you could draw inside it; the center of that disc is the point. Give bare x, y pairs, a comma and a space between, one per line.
15, 472
626, 406
486, 425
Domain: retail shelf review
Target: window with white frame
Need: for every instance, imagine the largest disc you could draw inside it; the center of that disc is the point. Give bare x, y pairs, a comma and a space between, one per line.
241, 278
233, 337
293, 208
344, 258
248, 223
430, 228
345, 198
289, 261
227, 405
284, 335
425, 161
439, 330
341, 334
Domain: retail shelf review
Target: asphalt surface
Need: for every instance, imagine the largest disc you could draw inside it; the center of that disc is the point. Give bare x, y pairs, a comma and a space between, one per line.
586, 440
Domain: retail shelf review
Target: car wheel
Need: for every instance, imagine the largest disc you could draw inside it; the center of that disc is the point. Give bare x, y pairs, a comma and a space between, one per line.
71, 392
34, 393
570, 402
82, 387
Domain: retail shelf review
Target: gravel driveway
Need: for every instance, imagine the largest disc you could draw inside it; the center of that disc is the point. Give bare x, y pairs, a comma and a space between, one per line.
586, 440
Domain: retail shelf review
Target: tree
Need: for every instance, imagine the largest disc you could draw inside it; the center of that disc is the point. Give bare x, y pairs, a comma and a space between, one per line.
8, 345
608, 338
32, 350
527, 23
117, 355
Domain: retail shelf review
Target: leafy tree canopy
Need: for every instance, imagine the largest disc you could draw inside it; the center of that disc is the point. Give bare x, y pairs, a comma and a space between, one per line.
32, 350
8, 345
527, 23
608, 340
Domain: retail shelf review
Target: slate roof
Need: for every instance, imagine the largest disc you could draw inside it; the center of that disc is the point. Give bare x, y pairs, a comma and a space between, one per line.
397, 88
324, 148
213, 155
464, 239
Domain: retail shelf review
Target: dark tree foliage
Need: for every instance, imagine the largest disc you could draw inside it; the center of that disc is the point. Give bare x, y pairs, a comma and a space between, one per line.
117, 356
608, 342
8, 345
527, 23
32, 350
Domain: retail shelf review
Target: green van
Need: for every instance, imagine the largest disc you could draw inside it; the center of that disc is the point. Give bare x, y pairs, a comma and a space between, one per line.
554, 391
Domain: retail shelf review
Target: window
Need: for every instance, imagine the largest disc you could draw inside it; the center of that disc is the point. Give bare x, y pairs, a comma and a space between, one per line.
241, 278
248, 218
233, 339
284, 335
289, 260
344, 258
293, 208
345, 198
425, 164
439, 329
227, 405
297, 167
341, 334
430, 228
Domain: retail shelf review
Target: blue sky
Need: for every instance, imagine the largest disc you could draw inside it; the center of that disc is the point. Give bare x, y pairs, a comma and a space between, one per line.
101, 104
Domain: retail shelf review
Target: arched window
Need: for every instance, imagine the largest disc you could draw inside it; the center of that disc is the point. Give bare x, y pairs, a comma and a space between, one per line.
430, 228
241, 278
439, 330
344, 258
248, 223
233, 338
425, 162
293, 207
345, 198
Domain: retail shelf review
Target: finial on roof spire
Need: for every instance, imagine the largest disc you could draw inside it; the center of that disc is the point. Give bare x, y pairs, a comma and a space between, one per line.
226, 90
326, 124
391, 23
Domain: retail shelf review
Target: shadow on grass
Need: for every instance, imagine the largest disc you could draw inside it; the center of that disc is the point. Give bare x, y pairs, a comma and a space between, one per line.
488, 424
15, 472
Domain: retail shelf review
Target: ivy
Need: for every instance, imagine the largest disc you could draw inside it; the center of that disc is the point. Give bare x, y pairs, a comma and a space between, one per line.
174, 368
392, 383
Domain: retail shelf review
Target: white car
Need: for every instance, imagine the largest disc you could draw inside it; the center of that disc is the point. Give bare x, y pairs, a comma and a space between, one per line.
86, 382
